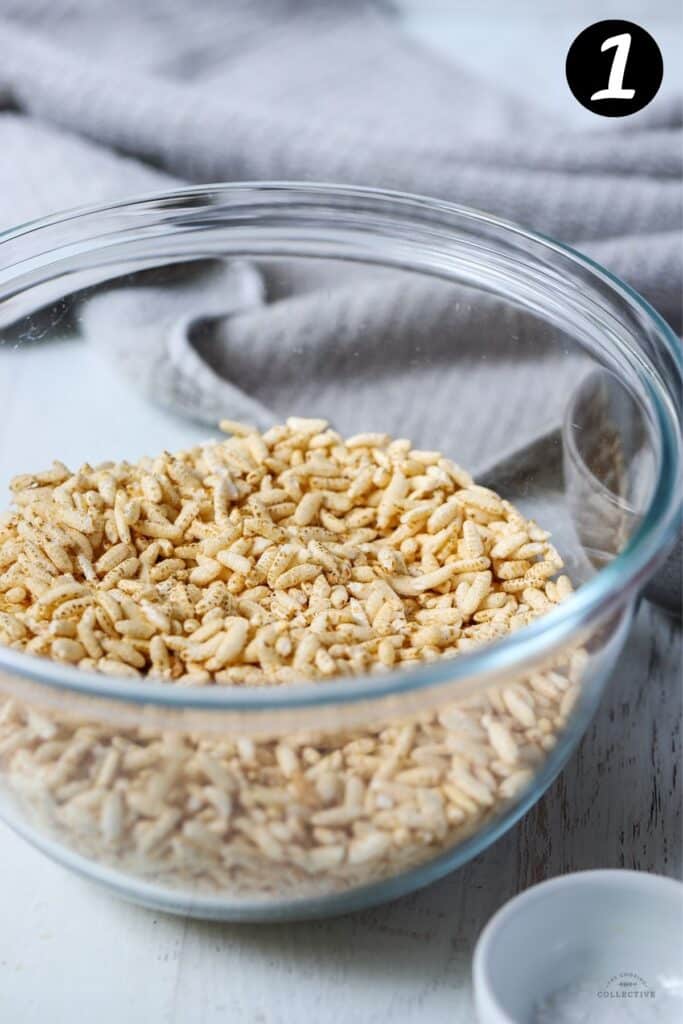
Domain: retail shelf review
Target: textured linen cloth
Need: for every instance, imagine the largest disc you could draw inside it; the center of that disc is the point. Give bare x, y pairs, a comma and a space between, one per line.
120, 97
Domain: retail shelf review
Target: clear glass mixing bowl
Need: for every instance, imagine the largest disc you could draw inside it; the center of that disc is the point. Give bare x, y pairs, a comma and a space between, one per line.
181, 798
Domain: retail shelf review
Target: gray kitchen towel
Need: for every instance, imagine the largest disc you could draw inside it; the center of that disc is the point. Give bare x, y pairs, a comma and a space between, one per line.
118, 97
299, 89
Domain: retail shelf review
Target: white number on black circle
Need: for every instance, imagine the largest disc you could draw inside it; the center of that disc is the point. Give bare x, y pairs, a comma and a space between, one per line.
615, 83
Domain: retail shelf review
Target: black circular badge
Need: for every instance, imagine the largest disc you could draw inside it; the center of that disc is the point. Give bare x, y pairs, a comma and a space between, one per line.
614, 68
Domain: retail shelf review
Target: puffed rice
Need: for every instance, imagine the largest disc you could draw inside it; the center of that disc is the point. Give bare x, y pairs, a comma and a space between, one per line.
272, 558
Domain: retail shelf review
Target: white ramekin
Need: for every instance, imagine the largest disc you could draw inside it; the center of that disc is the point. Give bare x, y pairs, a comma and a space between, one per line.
607, 935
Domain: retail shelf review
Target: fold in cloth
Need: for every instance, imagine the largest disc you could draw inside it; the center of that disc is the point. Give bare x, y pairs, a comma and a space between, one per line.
120, 96
385, 351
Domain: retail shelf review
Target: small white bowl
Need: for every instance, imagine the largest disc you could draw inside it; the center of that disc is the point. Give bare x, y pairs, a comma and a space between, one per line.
597, 938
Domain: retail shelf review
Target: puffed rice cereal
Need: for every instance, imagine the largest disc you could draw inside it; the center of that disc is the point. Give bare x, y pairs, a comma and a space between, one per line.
267, 559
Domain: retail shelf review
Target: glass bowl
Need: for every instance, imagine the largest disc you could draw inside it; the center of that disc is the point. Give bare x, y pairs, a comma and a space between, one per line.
379, 312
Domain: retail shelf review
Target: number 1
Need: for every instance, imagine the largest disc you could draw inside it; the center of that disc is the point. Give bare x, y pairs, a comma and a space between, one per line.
615, 83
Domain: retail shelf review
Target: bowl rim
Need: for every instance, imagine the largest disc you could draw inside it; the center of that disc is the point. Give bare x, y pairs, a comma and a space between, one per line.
662, 887
611, 586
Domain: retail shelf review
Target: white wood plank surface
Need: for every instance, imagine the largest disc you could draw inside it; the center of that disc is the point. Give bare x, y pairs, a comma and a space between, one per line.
70, 952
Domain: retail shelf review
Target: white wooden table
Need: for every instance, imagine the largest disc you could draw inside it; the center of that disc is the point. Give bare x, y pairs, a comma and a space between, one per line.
69, 952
